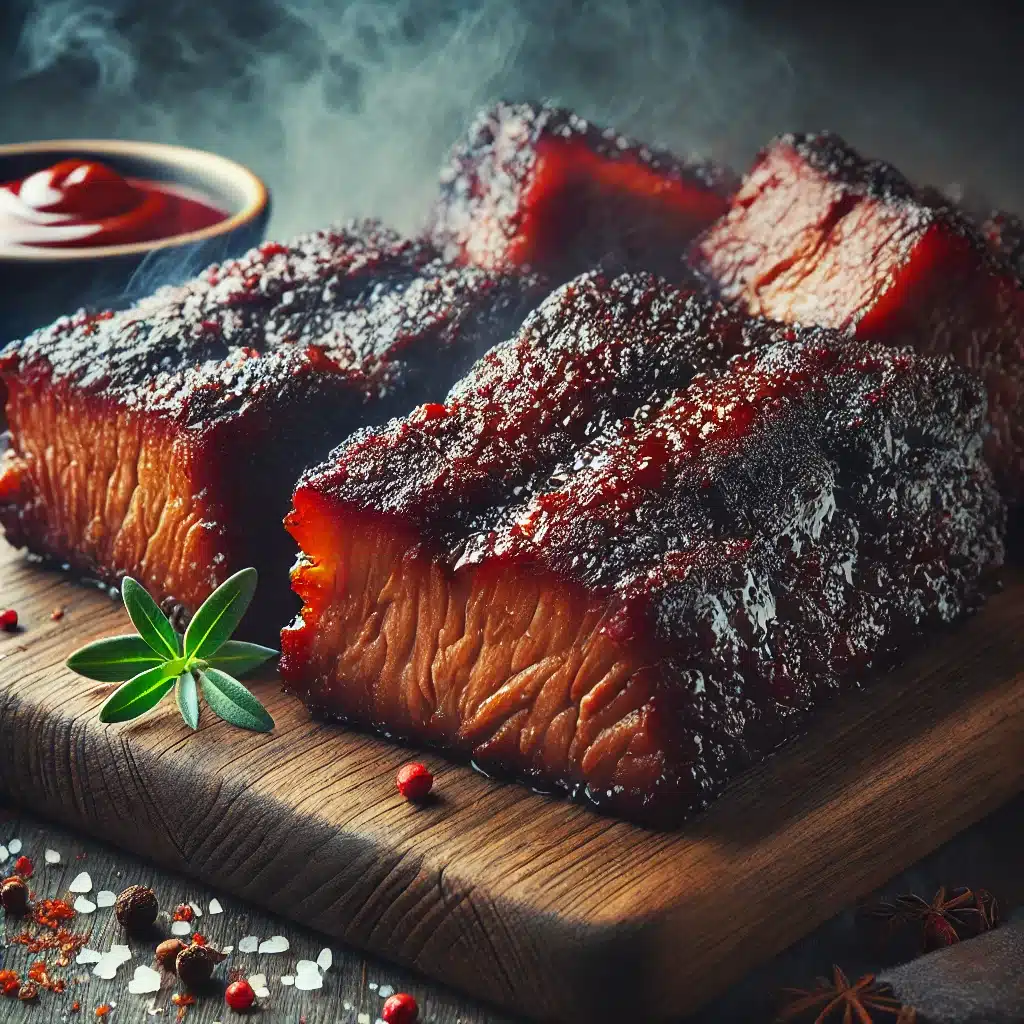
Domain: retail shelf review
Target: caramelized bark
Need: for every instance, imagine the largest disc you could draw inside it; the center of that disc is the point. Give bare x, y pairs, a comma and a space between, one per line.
659, 599
163, 441
1004, 232
542, 187
817, 235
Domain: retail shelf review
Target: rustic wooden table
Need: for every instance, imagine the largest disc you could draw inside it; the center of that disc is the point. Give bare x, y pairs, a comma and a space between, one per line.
354, 987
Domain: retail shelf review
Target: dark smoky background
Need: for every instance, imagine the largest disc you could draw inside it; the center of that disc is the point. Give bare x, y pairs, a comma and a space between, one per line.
347, 106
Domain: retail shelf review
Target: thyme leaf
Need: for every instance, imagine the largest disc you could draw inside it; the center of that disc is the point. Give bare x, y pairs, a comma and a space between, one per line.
157, 660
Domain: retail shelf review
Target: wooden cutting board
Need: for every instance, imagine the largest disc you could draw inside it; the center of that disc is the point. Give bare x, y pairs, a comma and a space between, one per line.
527, 901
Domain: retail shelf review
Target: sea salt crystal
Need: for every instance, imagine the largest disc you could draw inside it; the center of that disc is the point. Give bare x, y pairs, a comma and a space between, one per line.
363, 1018
308, 976
196, 909
81, 883
347, 1005
4, 853
275, 944
145, 980
180, 927
249, 944
228, 950
14, 847
325, 959
84, 905
287, 979
215, 907
89, 956
106, 898
385, 991
106, 967
51, 857
259, 986
372, 986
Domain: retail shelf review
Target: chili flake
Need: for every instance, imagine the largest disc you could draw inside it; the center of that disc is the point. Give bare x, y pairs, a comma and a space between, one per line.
23, 866
183, 912
49, 913
9, 982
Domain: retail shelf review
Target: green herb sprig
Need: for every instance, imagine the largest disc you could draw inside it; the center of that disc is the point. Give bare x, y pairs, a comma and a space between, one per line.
159, 659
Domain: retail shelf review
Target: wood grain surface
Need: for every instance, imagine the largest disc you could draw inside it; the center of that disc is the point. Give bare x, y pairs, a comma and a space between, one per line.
529, 902
354, 987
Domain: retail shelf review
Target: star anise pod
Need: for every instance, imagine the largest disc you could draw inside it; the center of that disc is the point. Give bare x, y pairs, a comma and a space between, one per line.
951, 916
864, 1001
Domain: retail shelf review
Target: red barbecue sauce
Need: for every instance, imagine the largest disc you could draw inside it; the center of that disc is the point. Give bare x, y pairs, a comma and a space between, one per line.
82, 203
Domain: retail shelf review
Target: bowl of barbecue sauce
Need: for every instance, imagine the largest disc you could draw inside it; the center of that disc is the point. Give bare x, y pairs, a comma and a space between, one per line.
98, 224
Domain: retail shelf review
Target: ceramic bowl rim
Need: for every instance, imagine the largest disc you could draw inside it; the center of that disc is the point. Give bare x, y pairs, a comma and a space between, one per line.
257, 196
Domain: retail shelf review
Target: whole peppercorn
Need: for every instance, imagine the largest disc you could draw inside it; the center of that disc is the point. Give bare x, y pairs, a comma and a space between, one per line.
195, 964
14, 896
400, 1008
167, 952
8, 620
136, 908
239, 995
414, 781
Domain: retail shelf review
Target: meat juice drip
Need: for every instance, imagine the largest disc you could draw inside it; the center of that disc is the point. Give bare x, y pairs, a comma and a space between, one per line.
78, 203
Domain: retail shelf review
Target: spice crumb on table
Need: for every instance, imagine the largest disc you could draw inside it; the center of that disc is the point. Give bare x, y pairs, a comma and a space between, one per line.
93, 968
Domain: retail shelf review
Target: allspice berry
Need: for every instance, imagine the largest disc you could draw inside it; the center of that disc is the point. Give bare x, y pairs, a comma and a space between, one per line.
136, 908
167, 953
195, 964
14, 896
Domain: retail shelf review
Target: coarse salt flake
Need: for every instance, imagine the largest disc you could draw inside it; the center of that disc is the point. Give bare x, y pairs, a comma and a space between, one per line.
146, 980
106, 898
386, 991
228, 950
14, 847
180, 927
51, 857
363, 1018
308, 982
88, 956
215, 907
4, 853
287, 979
196, 909
372, 986
84, 905
249, 944
325, 959
259, 986
81, 883
307, 967
275, 944
257, 980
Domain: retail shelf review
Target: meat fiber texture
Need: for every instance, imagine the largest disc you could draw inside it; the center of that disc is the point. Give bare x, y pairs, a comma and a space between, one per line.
542, 187
818, 235
614, 564
164, 441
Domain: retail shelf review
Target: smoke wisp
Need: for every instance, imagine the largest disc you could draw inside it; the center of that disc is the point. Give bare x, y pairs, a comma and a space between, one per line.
347, 107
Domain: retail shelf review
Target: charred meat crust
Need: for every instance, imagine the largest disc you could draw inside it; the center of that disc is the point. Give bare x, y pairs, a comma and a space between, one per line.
660, 599
540, 186
818, 235
163, 441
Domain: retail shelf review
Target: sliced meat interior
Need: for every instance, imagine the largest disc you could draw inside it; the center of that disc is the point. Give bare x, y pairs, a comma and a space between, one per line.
818, 235
542, 187
164, 441
631, 606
